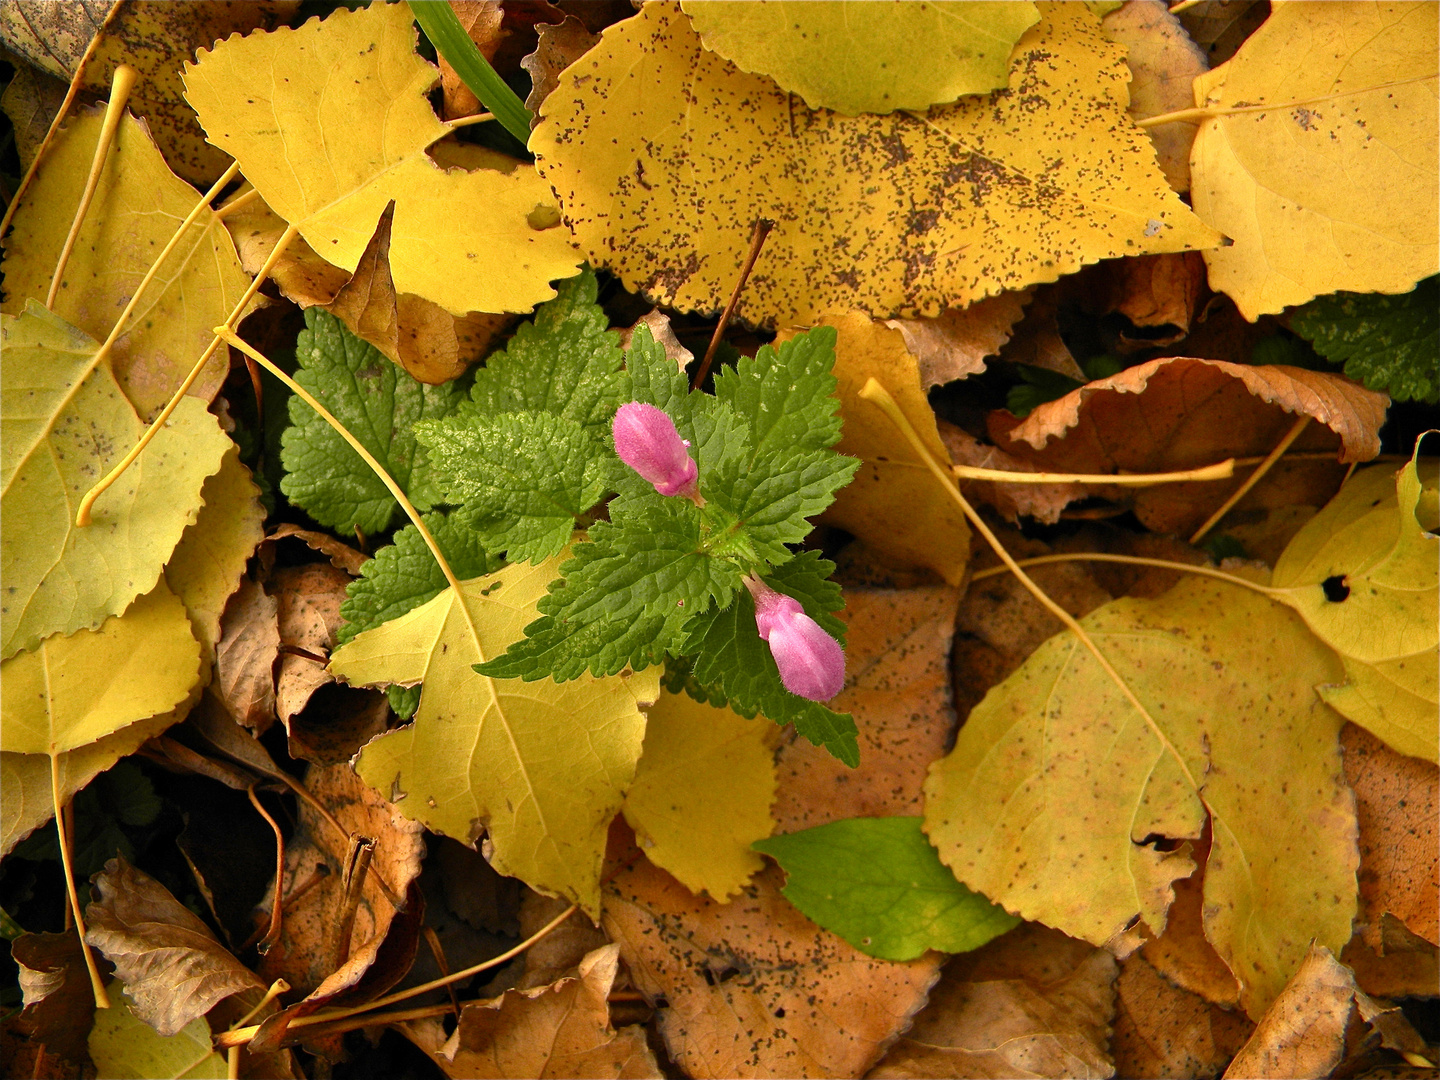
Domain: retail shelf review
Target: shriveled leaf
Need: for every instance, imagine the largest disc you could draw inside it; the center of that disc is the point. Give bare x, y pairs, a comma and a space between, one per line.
701, 829
878, 883
1162, 1030
648, 125
483, 23
561, 1030
330, 122
67, 422
892, 483
1033, 1003
1183, 954
955, 343
172, 967
858, 58
52, 37
137, 206
1362, 574
308, 600
245, 657
59, 1002
122, 1044
753, 987
505, 756
1390, 343
558, 46
1350, 92
1058, 785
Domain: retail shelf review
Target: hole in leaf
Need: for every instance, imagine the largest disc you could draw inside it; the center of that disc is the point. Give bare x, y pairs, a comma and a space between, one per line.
1335, 588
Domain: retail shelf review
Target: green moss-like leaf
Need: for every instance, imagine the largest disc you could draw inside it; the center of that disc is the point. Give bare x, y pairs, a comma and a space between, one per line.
1390, 343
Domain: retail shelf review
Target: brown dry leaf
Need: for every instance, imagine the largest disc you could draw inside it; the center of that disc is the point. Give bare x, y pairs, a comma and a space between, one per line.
1221, 26
245, 657
172, 966
341, 556
658, 323
752, 988
1157, 291
1182, 412
1163, 62
31, 99
955, 343
1396, 806
1043, 502
1409, 968
1036, 339
59, 1003
481, 20
305, 952
1161, 1030
53, 37
560, 950
308, 600
557, 48
335, 723
898, 688
892, 484
1182, 954
1032, 1003
561, 1030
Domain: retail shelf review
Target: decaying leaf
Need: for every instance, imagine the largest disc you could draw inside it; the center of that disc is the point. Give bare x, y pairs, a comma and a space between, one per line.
1043, 502
561, 1030
245, 657
892, 482
558, 47
1033, 1003
955, 343
1162, 1030
1319, 157
67, 422
753, 988
862, 59
702, 831
553, 956
308, 600
330, 123
504, 756
59, 1002
122, 1044
172, 967
138, 205
50, 36
1182, 954
1058, 785
1154, 291
893, 215
31, 99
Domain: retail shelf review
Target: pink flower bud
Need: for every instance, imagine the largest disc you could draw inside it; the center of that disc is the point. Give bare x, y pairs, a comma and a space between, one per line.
646, 440
811, 662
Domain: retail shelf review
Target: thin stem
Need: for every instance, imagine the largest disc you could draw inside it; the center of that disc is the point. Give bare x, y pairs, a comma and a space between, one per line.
1204, 112
244, 1035
239, 202
1253, 479
1219, 471
62, 834
278, 987
339, 1027
1128, 560
122, 82
1185, 5
82, 516
437, 950
757, 241
466, 121
357, 864
232, 1063
272, 935
878, 395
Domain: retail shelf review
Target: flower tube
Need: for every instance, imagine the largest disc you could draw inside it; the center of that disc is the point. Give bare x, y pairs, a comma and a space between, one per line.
646, 440
811, 662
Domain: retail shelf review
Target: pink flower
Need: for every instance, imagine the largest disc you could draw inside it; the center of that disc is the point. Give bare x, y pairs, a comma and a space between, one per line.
646, 440
811, 662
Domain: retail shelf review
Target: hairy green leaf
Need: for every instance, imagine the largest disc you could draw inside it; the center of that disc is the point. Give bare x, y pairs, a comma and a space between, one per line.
1389, 343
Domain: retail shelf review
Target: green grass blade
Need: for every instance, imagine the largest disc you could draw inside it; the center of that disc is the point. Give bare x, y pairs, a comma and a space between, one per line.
437, 19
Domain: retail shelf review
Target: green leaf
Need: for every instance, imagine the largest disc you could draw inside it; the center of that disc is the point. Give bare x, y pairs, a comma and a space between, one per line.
788, 397
1389, 343
121, 1044
775, 496
877, 883
379, 403
732, 661
523, 478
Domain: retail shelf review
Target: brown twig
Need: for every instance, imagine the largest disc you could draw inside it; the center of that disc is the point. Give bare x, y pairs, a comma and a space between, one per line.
357, 863
432, 939
757, 241
272, 935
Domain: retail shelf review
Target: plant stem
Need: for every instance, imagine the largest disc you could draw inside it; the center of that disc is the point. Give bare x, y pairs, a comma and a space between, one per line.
1128, 560
272, 935
122, 82
1219, 471
62, 835
1253, 479
441, 25
757, 241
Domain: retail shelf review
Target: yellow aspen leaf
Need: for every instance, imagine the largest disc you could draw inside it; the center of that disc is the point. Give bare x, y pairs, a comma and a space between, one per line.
892, 484
74, 690
702, 832
654, 139
1362, 574
540, 767
330, 122
1064, 804
860, 58
138, 205
66, 423
121, 1044
1335, 186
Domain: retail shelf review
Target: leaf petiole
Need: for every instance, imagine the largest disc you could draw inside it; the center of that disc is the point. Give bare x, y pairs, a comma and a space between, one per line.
1128, 560
62, 836
1221, 470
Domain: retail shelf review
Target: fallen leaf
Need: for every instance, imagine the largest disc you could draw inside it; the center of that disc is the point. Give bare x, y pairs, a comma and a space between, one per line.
31, 100
1180, 413
308, 600
341, 556
1155, 291
862, 60
956, 343
899, 691
172, 966
1043, 502
1221, 26
59, 1002
481, 20
1163, 62
701, 832
502, 755
336, 722
1367, 560
245, 657
753, 988
561, 1030
645, 129
67, 423
1324, 174
1162, 1030
122, 1044
272, 101
206, 566
564, 947
892, 483
558, 47
658, 323
51, 37
137, 205
1036, 340
1395, 805
1410, 966
1058, 785
1033, 1003
1183, 954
